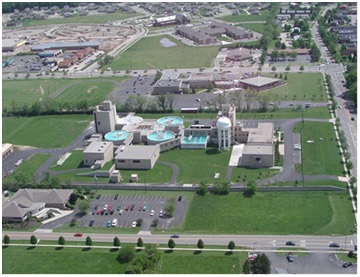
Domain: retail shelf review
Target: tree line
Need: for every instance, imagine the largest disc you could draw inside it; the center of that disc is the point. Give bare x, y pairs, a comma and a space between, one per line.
9, 7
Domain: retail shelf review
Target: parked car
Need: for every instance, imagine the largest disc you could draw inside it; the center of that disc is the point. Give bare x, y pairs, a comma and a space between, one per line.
116, 196
127, 207
110, 207
180, 198
112, 212
133, 225
144, 208
347, 264
333, 244
108, 224
161, 213
120, 212
290, 258
98, 196
91, 223
132, 207
140, 208
118, 208
175, 236
78, 235
290, 243
98, 211
152, 212
106, 206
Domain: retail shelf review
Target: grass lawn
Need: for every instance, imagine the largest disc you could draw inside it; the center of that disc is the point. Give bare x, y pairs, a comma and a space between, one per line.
300, 86
91, 91
196, 165
239, 173
321, 156
279, 213
245, 17
28, 167
93, 19
44, 131
256, 27
148, 54
103, 261
19, 92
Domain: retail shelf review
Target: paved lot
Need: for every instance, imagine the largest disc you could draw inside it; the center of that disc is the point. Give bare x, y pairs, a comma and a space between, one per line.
125, 219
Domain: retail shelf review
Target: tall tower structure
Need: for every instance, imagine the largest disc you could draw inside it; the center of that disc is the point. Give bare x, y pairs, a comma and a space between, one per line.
105, 117
229, 110
224, 132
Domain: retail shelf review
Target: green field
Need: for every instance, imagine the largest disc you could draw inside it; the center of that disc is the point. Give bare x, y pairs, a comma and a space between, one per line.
256, 27
92, 19
51, 260
19, 92
300, 86
245, 17
148, 54
320, 156
29, 167
44, 131
267, 213
198, 165
241, 173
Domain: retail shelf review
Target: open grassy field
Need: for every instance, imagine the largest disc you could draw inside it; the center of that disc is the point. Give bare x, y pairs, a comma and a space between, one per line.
300, 86
92, 19
256, 27
320, 156
279, 213
29, 167
198, 165
18, 92
245, 17
103, 261
148, 54
241, 173
44, 131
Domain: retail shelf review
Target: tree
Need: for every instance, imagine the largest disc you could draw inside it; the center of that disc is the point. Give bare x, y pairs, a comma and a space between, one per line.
6, 239
247, 267
302, 68
250, 189
221, 188
161, 101
116, 242
33, 240
274, 55
287, 68
261, 265
88, 242
171, 244
200, 244
140, 242
283, 45
126, 254
61, 240
72, 199
153, 254
273, 68
231, 245
170, 206
84, 207
277, 44
203, 188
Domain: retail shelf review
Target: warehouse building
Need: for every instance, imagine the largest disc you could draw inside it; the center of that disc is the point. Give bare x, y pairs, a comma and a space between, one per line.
98, 153
10, 45
137, 156
65, 45
176, 19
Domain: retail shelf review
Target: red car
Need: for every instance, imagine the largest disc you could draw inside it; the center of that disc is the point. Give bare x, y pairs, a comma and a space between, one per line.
78, 235
127, 208
98, 211
110, 207
140, 208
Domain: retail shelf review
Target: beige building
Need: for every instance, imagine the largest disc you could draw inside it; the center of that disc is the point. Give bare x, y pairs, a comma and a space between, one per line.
137, 156
105, 117
7, 149
98, 153
256, 156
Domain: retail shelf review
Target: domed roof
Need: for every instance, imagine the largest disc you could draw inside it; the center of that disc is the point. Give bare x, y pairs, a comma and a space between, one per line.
223, 123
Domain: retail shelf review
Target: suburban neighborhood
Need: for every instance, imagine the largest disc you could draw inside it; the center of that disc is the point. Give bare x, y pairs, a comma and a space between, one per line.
179, 138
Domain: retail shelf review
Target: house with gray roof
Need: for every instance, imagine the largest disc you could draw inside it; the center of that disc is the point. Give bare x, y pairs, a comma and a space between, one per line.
30, 202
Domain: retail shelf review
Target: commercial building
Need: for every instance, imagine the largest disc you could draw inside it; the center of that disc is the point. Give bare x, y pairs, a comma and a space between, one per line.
137, 156
33, 202
50, 53
65, 45
7, 149
105, 117
176, 19
167, 86
98, 153
260, 83
10, 45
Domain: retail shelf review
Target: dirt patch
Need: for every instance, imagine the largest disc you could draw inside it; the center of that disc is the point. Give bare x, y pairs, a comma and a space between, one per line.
23, 147
90, 89
41, 90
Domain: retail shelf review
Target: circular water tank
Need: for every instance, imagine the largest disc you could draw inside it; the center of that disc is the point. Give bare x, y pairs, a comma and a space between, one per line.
170, 121
159, 136
223, 123
117, 137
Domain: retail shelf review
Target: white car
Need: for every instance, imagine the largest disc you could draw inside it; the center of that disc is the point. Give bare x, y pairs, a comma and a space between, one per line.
152, 212
161, 213
133, 225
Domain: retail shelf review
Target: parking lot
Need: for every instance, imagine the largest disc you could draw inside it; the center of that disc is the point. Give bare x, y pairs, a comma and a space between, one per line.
127, 209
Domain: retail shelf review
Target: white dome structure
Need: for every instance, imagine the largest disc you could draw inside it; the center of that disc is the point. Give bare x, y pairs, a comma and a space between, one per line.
224, 132
223, 123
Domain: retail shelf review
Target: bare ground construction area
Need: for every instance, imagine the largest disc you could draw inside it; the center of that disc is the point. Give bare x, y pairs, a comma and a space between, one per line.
109, 36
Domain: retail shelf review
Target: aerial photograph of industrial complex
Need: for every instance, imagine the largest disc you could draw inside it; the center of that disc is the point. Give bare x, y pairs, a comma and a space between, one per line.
179, 137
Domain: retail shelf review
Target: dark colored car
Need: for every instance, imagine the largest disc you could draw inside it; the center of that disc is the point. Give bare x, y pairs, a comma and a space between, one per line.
180, 198
78, 235
290, 258
132, 207
333, 244
98, 196
290, 243
112, 212
175, 236
347, 264
127, 207
91, 222
116, 196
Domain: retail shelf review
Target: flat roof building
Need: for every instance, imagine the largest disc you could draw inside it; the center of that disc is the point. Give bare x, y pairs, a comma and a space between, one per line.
66, 45
260, 83
98, 153
137, 156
